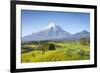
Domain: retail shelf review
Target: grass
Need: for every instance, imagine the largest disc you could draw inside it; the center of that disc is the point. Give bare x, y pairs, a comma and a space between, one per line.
65, 51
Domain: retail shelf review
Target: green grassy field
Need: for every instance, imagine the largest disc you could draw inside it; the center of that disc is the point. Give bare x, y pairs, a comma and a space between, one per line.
62, 51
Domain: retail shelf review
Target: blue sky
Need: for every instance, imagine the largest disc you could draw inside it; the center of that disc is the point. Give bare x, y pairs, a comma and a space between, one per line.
72, 22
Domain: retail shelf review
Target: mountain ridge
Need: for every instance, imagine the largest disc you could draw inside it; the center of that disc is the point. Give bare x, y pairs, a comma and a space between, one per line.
54, 32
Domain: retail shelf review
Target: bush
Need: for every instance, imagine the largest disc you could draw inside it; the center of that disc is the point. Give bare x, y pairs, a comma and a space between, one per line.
84, 41
42, 47
51, 47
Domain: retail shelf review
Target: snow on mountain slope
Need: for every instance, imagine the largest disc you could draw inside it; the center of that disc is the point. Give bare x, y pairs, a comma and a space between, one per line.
51, 32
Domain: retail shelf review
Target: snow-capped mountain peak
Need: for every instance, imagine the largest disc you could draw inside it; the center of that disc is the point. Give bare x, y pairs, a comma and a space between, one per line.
50, 32
52, 25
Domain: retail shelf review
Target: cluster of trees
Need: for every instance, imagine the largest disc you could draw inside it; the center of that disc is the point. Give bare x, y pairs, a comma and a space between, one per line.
84, 41
40, 45
46, 47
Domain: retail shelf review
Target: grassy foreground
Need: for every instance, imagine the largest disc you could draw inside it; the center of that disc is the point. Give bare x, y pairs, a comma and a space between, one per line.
64, 51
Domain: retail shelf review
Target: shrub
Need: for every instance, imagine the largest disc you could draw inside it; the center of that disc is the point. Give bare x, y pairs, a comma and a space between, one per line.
84, 41
51, 47
43, 48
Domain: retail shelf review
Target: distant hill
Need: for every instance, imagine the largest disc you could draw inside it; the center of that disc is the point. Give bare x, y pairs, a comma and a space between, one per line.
82, 34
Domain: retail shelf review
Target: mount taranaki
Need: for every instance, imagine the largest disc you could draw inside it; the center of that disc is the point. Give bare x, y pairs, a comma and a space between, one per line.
54, 32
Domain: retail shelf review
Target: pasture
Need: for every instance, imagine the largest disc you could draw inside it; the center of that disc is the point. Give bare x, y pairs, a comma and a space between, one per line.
49, 51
